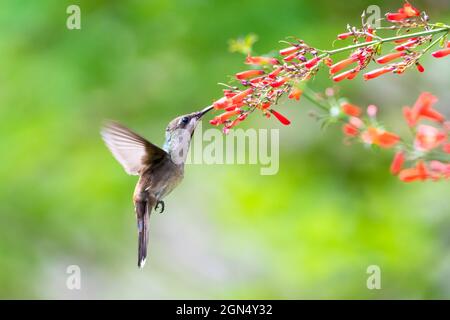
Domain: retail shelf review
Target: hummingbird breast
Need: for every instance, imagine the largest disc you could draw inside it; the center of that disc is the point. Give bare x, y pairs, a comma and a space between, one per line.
159, 180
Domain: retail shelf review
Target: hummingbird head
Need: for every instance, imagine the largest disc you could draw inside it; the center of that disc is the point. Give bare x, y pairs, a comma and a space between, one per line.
179, 133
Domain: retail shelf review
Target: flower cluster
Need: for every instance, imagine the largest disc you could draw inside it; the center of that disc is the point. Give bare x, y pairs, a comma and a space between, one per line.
270, 78
265, 84
412, 162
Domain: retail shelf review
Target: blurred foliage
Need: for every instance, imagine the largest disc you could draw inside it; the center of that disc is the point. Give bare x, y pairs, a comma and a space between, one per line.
310, 231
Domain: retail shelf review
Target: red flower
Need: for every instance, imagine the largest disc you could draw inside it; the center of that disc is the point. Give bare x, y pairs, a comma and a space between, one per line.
396, 16
369, 34
428, 138
446, 147
261, 60
422, 109
342, 64
295, 93
287, 51
343, 36
222, 103
240, 96
441, 53
397, 162
275, 73
419, 172
280, 117
350, 130
410, 43
389, 57
380, 137
291, 57
350, 74
407, 11
279, 83
265, 106
224, 116
312, 62
350, 109
419, 67
249, 74
257, 80
377, 72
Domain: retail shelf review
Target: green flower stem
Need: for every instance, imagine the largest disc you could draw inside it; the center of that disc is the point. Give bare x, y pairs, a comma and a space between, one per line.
445, 29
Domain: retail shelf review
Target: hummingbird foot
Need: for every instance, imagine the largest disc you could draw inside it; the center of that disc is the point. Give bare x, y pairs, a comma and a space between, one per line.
160, 203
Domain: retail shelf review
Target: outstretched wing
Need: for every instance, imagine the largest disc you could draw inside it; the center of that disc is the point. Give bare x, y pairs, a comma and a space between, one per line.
132, 151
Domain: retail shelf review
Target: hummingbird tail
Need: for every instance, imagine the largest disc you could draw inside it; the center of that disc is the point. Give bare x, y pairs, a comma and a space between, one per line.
142, 214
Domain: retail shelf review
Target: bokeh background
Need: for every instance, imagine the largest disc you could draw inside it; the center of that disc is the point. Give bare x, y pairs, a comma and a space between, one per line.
310, 231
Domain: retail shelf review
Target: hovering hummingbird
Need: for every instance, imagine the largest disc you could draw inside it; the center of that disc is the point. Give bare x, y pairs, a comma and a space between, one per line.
159, 170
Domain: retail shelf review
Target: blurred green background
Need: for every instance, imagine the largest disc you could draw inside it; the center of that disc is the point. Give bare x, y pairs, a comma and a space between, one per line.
310, 231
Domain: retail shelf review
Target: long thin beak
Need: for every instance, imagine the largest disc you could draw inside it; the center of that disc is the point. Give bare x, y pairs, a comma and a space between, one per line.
203, 112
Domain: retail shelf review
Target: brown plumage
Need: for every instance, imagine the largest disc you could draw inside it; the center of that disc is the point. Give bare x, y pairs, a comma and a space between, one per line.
159, 171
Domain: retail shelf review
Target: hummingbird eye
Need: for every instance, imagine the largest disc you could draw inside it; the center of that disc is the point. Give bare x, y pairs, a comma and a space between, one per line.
185, 120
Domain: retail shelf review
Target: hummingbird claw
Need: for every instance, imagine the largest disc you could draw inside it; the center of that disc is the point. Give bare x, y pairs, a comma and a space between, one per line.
160, 203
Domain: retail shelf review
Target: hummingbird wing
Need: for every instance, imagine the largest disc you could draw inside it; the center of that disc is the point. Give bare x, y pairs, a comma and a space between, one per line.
132, 151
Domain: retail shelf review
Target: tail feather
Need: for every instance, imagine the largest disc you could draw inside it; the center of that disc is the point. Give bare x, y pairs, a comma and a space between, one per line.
143, 210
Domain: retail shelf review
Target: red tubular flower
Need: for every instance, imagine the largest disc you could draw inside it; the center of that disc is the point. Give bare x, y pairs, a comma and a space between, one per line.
257, 80
396, 16
380, 137
350, 130
288, 51
279, 83
261, 60
275, 73
350, 109
446, 147
397, 163
224, 116
295, 93
352, 74
222, 103
407, 44
342, 64
377, 72
344, 75
291, 57
428, 138
312, 62
249, 74
240, 96
419, 172
229, 93
419, 67
389, 57
280, 117
409, 10
265, 106
423, 108
343, 36
441, 53
369, 36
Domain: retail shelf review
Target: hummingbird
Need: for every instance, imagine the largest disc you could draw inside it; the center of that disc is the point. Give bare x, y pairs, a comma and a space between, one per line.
160, 170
